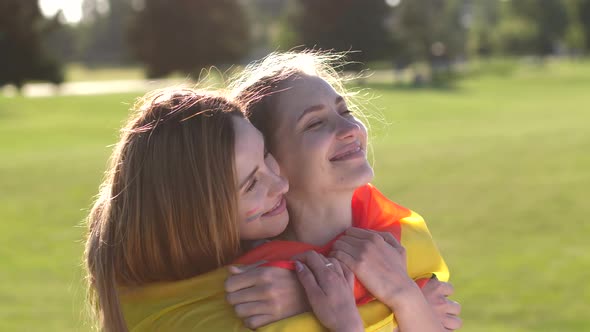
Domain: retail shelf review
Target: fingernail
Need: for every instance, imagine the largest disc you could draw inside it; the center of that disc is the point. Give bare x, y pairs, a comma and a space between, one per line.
298, 266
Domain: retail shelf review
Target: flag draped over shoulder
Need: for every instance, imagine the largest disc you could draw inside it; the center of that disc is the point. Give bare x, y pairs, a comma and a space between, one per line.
199, 303
370, 210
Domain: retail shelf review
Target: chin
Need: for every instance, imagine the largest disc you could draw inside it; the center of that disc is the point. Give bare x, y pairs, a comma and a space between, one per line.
277, 227
359, 177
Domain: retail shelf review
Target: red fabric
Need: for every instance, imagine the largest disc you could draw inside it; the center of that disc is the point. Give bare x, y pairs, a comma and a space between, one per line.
370, 210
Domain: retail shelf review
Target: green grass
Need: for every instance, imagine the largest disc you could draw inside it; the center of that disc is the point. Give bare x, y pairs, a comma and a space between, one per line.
498, 165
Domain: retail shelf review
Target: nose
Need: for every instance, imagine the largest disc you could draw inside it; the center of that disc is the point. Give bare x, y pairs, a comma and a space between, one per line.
347, 129
279, 184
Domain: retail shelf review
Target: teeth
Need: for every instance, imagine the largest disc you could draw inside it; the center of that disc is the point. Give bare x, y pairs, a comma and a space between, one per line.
358, 148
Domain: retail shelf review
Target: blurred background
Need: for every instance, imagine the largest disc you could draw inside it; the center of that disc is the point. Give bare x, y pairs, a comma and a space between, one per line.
479, 113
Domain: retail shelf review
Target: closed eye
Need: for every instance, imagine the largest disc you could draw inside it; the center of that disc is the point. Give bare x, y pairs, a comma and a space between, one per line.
252, 185
314, 124
346, 112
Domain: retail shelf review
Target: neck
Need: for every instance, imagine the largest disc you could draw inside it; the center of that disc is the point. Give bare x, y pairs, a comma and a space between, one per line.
318, 218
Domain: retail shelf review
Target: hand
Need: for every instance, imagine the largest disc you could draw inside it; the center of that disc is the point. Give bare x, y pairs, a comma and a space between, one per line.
378, 260
436, 293
262, 295
329, 291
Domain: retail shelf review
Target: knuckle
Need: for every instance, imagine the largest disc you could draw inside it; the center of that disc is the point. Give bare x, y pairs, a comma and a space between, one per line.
240, 310
267, 291
375, 238
230, 298
227, 285
266, 275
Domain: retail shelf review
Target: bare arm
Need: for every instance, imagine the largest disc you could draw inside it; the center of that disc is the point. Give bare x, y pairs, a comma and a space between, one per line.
379, 261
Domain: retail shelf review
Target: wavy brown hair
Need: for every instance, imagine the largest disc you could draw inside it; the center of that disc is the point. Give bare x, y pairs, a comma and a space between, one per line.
167, 209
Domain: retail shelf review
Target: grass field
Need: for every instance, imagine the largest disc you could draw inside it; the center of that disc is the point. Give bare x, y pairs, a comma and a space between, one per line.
498, 165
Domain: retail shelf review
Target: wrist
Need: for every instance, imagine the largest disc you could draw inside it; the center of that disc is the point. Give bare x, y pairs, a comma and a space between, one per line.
403, 293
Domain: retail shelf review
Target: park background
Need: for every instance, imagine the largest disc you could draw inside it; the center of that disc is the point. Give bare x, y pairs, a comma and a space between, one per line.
479, 114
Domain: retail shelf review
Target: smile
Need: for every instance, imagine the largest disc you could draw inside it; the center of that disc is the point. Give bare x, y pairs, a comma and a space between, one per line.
351, 151
277, 209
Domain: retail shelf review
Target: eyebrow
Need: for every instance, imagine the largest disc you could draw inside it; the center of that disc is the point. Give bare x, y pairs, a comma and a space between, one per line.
248, 177
316, 108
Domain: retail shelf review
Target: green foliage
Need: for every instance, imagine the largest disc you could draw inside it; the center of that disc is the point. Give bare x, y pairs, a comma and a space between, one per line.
343, 25
102, 33
535, 26
516, 35
22, 54
187, 36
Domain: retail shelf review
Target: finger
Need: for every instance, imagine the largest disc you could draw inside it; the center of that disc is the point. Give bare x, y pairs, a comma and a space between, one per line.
250, 278
353, 241
308, 281
346, 247
244, 310
452, 322
319, 269
240, 281
236, 269
360, 233
324, 259
391, 240
348, 275
257, 321
345, 258
302, 257
251, 294
336, 265
446, 288
453, 308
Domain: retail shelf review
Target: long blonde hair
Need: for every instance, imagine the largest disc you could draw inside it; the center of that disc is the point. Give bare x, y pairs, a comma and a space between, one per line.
167, 209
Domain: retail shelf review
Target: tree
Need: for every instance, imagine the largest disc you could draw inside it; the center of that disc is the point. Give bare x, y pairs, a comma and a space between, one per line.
186, 36
483, 22
430, 31
344, 25
22, 55
543, 23
103, 29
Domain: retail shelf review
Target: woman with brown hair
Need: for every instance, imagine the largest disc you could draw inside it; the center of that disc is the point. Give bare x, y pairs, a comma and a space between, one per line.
298, 101
189, 183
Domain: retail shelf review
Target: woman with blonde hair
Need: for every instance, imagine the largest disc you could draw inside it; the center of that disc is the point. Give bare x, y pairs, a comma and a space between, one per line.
299, 103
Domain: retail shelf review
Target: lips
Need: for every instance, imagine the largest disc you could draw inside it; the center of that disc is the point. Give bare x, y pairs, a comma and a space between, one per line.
278, 208
347, 151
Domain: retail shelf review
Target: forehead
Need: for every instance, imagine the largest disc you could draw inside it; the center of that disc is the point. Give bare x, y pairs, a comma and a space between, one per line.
303, 92
248, 144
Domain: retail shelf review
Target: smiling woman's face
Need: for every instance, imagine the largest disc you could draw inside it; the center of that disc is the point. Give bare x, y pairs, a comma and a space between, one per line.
319, 144
262, 209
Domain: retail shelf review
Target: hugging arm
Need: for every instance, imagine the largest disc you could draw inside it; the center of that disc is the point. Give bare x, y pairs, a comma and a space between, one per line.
263, 295
379, 261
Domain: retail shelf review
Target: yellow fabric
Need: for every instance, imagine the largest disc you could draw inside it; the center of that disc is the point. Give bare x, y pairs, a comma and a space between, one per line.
198, 304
